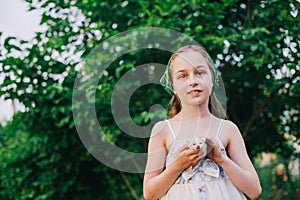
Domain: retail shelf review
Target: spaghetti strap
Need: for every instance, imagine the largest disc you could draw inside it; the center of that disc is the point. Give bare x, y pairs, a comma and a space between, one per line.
171, 128
220, 128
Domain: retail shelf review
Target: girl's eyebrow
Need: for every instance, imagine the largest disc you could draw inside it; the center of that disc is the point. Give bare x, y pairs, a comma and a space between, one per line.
198, 66
179, 71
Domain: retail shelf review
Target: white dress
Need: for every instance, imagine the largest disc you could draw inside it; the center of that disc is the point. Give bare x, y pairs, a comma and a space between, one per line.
207, 182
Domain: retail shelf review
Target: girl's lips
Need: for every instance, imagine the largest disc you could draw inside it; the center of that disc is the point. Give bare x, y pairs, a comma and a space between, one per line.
194, 91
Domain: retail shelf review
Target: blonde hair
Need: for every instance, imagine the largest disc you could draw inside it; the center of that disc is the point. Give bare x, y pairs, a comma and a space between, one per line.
214, 104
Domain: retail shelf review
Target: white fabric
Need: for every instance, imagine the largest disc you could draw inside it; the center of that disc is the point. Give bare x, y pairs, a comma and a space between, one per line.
202, 185
172, 130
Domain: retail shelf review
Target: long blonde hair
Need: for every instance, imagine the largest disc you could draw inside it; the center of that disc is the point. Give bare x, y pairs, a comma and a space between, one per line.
214, 104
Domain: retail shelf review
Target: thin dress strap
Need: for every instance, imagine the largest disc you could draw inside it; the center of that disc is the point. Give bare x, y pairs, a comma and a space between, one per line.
219, 133
171, 128
219, 142
220, 127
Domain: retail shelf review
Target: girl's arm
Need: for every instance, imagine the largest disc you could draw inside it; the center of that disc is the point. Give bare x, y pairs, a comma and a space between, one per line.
238, 167
156, 180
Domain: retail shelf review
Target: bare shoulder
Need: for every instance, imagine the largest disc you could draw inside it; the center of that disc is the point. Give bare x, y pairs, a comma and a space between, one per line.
231, 131
158, 128
230, 126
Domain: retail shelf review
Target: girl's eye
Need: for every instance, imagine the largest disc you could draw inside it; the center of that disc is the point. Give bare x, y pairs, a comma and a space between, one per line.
182, 76
200, 72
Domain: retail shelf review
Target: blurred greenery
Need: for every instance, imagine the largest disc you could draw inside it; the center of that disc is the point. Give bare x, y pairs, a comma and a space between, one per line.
279, 177
255, 44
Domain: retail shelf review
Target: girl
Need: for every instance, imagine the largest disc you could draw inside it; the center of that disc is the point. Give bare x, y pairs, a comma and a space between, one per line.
196, 154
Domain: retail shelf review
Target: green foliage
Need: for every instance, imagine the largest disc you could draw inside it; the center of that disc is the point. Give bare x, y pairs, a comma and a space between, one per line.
279, 179
255, 45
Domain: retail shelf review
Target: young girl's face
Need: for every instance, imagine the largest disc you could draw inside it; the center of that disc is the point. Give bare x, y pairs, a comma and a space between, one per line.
191, 77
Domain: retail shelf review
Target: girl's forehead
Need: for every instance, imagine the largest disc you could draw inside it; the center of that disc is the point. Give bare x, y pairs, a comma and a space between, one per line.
189, 59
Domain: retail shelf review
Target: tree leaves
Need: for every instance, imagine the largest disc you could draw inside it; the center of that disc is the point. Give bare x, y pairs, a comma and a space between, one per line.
255, 45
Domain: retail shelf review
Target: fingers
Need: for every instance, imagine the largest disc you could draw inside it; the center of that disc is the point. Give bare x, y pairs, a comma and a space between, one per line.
214, 151
188, 150
203, 151
198, 151
183, 148
210, 143
197, 155
191, 156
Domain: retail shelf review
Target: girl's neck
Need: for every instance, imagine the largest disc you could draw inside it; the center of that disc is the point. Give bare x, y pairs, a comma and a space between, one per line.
195, 112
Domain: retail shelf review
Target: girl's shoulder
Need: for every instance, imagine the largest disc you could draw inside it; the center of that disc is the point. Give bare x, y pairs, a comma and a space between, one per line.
231, 130
163, 130
230, 125
159, 127
226, 125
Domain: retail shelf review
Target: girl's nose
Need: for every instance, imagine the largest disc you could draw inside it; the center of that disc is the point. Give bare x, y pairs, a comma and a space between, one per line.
193, 81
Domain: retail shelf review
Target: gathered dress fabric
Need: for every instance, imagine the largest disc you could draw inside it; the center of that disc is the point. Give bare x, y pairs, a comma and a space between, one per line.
207, 181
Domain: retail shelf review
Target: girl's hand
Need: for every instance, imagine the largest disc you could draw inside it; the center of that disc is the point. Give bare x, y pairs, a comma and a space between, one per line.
189, 157
214, 151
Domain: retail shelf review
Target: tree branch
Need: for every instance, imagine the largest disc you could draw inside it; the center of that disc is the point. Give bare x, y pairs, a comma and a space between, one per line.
262, 106
128, 184
249, 12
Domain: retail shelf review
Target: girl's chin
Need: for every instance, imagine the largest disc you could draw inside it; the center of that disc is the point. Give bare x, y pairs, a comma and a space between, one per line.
197, 102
